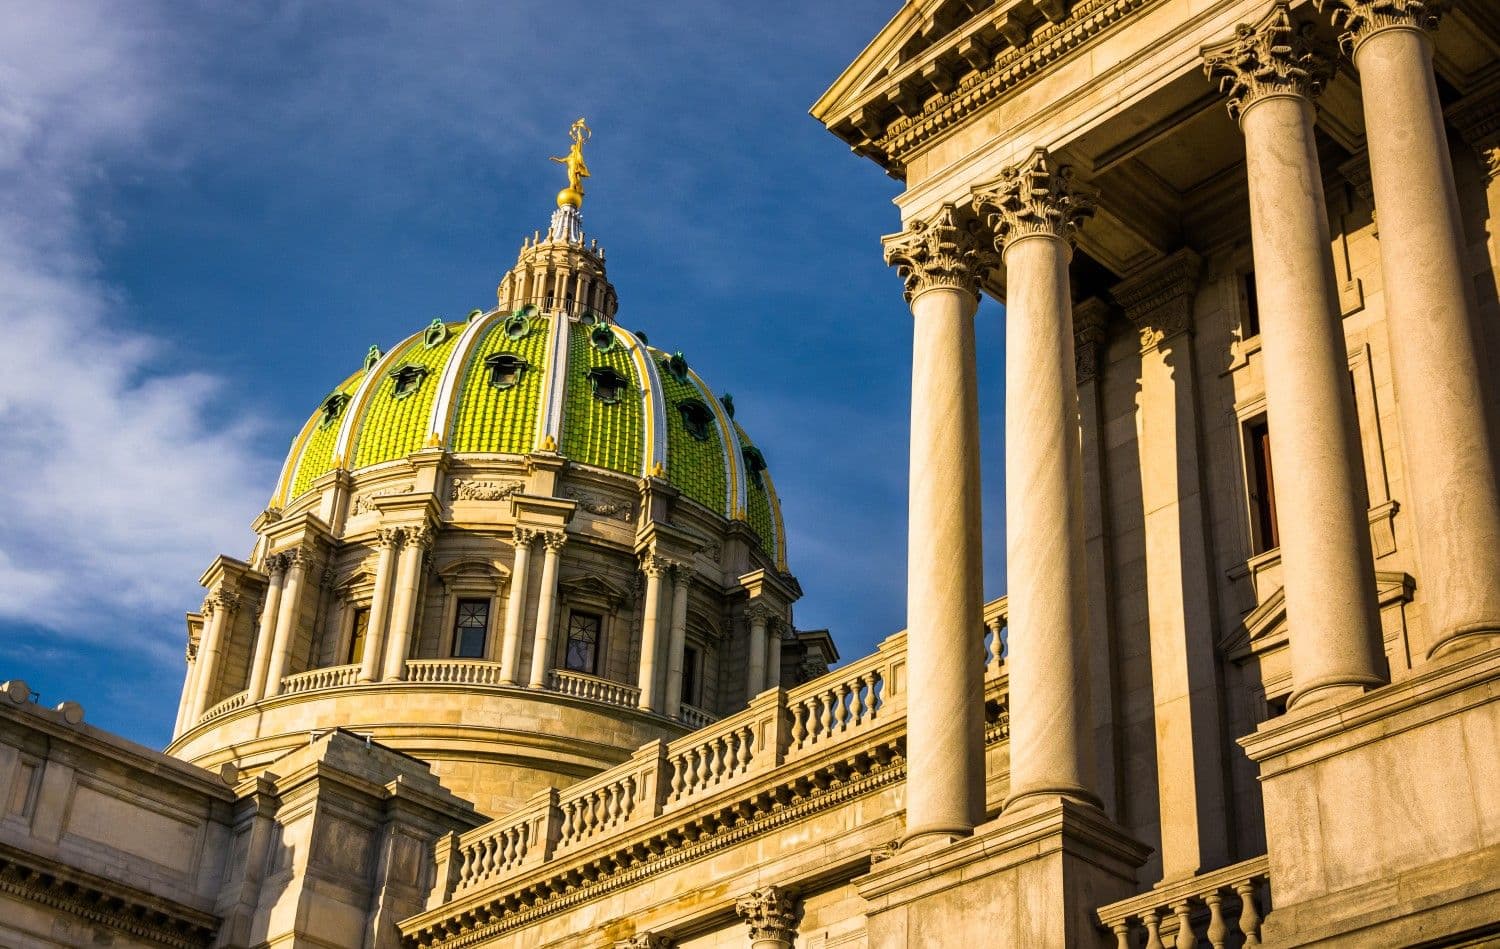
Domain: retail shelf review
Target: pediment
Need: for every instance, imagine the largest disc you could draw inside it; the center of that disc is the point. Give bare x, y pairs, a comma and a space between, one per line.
593, 587
473, 568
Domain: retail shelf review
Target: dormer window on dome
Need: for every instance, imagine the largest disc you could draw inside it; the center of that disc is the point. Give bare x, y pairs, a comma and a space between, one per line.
406, 379
609, 385
696, 418
755, 463
506, 369
333, 407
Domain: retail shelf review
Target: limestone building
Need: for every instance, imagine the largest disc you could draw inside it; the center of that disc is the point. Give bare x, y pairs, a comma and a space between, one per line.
512, 662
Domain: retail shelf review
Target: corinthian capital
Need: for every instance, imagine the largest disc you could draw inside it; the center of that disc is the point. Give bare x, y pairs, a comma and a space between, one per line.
421, 536
389, 536
1034, 197
1276, 56
277, 563
771, 913
1358, 20
554, 540
655, 566
1159, 299
941, 252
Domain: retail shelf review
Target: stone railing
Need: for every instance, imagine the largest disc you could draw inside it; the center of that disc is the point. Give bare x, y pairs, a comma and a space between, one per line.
1222, 908
453, 671
329, 677
593, 688
996, 618
695, 717
225, 707
828, 722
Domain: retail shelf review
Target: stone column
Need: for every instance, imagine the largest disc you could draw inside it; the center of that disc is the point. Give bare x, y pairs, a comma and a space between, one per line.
773, 655
220, 607
655, 568
260, 662
1034, 211
1271, 72
546, 613
757, 615
677, 638
1445, 439
416, 541
287, 616
1089, 342
515, 608
941, 263
1185, 686
772, 914
389, 539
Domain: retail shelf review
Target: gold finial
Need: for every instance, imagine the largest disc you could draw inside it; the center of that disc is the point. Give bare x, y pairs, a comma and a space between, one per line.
572, 195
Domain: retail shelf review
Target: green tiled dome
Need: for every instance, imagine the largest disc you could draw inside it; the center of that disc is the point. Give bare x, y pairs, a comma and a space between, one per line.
510, 383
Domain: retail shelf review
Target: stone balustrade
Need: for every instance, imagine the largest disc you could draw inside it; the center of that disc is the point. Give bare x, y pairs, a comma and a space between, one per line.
593, 688
844, 701
696, 717
453, 671
329, 677
225, 707
1221, 908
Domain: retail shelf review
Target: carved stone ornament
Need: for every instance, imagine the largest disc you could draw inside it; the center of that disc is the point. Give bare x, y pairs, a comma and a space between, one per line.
1089, 317
523, 536
759, 613
644, 941
1159, 299
364, 503
601, 506
1358, 20
277, 563
939, 253
1477, 119
422, 535
553, 540
771, 913
389, 536
220, 599
462, 490
655, 566
1034, 197
1276, 56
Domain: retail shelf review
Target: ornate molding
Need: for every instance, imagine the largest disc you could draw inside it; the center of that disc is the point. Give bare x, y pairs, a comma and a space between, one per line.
420, 535
1089, 319
364, 503
653, 565
1033, 197
1275, 56
553, 540
462, 490
602, 506
389, 537
941, 252
1159, 299
1358, 20
772, 913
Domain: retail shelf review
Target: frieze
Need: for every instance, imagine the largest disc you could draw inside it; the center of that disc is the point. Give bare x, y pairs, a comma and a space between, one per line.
601, 506
464, 490
365, 503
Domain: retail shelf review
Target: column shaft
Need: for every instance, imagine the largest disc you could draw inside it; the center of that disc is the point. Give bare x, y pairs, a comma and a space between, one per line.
1326, 559
546, 613
773, 658
650, 699
515, 610
380, 604
1450, 478
677, 643
260, 661
404, 607
1051, 737
755, 680
286, 622
210, 653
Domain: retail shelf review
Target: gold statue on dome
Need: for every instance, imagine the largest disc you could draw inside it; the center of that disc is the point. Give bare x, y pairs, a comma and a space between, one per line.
572, 195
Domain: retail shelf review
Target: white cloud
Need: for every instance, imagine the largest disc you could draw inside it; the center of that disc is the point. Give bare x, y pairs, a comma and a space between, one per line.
118, 480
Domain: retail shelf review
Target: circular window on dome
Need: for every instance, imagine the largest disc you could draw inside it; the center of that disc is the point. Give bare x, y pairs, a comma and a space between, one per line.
609, 385
589, 318
437, 331
602, 337
518, 325
696, 418
506, 369
475, 314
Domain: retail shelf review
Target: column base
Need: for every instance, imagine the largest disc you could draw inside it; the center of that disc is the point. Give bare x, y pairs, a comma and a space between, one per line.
1383, 812
1475, 637
1032, 878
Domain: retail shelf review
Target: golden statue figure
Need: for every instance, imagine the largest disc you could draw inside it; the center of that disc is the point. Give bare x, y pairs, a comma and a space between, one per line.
577, 170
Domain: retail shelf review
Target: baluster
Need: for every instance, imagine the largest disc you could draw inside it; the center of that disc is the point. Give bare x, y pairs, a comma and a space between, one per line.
679, 779
1153, 929
846, 700
486, 857
830, 698
1122, 934
1249, 912
703, 757
799, 724
747, 748
1218, 930
1185, 937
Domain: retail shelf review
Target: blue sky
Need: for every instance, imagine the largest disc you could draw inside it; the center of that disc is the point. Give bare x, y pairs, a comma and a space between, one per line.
209, 212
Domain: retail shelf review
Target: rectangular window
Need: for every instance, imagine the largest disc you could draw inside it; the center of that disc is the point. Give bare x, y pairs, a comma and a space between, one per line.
583, 642
357, 635
690, 675
470, 627
1252, 307
1262, 485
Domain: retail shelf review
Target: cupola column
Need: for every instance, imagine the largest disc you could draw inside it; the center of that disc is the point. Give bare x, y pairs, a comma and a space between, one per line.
389, 540
773, 655
677, 641
219, 607
515, 608
759, 617
942, 262
1035, 212
1271, 72
260, 662
416, 541
1451, 481
546, 611
286, 617
656, 570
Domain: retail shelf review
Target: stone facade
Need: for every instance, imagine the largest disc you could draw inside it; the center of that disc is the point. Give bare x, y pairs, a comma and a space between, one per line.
1242, 689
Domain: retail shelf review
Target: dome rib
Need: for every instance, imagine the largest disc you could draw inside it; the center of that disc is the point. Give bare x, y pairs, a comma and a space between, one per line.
552, 418
654, 437
304, 444
354, 413
734, 468
455, 371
